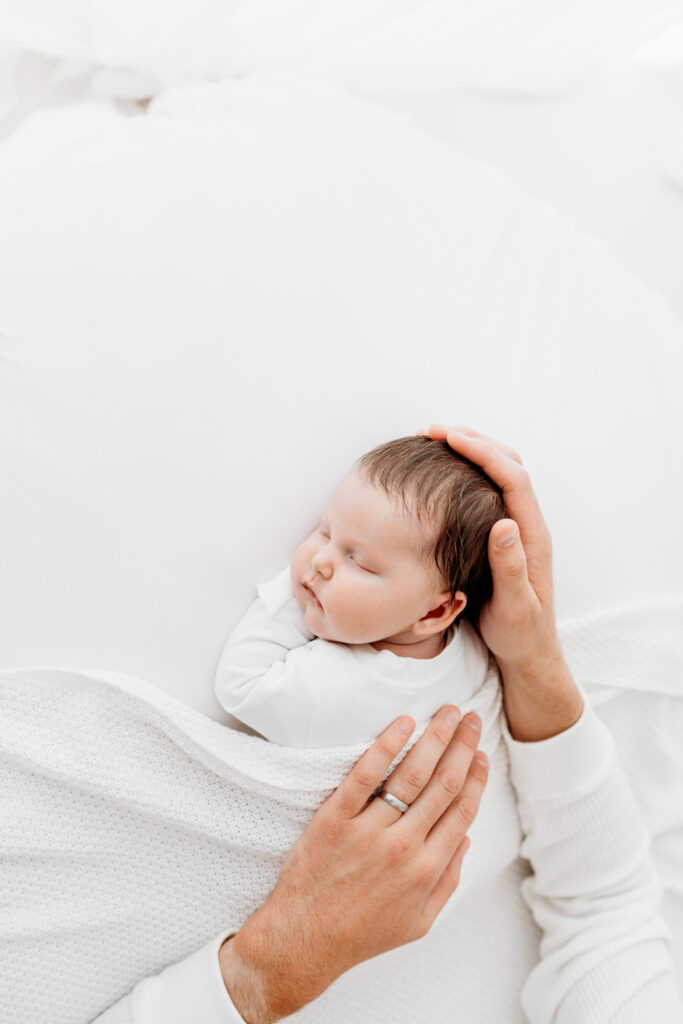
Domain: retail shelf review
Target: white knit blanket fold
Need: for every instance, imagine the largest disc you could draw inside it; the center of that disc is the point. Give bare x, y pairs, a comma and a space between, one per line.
134, 828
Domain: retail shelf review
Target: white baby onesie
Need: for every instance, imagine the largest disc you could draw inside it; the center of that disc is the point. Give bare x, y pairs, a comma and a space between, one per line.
301, 691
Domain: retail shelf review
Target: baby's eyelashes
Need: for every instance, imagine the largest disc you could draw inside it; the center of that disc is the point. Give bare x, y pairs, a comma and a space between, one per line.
361, 566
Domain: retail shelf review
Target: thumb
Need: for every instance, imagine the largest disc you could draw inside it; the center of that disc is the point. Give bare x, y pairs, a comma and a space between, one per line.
507, 561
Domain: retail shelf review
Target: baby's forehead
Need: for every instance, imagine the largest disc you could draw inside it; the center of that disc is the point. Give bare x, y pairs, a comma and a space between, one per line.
386, 519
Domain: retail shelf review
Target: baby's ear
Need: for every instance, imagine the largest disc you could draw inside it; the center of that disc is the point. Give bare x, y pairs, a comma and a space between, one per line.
458, 603
443, 614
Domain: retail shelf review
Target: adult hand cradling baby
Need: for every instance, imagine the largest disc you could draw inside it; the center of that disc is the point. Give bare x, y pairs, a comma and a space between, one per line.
364, 878
518, 623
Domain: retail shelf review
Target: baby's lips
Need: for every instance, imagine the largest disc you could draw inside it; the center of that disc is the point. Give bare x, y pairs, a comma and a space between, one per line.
313, 594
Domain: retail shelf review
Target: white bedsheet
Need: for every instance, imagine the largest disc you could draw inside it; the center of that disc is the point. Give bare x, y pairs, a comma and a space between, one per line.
207, 314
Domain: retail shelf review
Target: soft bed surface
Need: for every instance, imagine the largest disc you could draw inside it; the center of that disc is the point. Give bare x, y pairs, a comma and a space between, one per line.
208, 313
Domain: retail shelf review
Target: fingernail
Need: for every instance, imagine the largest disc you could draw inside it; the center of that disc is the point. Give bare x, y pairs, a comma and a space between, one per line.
453, 717
406, 726
508, 539
481, 758
474, 722
468, 841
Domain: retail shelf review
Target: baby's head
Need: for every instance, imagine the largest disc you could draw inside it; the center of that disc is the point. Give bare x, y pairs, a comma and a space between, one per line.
401, 550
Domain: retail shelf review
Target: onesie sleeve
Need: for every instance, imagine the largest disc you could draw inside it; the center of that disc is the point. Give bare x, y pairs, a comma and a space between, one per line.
190, 990
604, 952
259, 678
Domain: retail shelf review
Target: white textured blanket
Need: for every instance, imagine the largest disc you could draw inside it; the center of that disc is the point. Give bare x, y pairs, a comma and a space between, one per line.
135, 829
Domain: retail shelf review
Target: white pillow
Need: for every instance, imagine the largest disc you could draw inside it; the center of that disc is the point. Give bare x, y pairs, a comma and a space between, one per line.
209, 312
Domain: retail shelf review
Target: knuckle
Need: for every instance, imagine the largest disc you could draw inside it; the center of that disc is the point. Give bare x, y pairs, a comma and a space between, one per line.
467, 810
327, 828
517, 569
385, 748
470, 738
442, 731
365, 780
416, 778
479, 770
426, 871
451, 781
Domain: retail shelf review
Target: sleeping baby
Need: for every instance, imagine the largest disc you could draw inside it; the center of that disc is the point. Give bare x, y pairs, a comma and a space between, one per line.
374, 617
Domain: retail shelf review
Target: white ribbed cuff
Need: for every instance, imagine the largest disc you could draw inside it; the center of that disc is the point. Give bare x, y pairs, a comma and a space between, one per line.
190, 990
564, 764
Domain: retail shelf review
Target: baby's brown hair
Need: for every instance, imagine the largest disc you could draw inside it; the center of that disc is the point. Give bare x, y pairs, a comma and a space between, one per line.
435, 483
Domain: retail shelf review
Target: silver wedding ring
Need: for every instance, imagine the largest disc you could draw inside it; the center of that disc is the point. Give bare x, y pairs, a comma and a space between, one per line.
393, 801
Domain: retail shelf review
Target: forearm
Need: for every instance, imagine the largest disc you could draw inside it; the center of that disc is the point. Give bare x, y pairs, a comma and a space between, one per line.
263, 984
541, 698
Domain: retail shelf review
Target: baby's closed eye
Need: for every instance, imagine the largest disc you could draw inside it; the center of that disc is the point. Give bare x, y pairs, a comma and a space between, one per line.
361, 565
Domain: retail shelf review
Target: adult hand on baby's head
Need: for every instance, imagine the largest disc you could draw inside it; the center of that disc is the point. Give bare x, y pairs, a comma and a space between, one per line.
363, 878
518, 622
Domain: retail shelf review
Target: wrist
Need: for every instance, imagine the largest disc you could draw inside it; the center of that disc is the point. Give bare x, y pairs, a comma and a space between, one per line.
261, 973
245, 985
540, 695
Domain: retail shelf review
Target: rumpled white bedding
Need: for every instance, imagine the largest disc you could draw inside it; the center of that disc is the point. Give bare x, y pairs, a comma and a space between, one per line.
138, 47
141, 829
205, 315
275, 267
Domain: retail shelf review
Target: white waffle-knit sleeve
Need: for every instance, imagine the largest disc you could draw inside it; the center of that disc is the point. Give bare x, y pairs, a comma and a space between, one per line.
260, 678
190, 990
604, 953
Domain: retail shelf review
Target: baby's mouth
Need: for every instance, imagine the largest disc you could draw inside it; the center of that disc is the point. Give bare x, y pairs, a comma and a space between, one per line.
313, 595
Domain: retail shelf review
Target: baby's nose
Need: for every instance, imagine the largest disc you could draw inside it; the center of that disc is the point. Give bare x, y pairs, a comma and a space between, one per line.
322, 565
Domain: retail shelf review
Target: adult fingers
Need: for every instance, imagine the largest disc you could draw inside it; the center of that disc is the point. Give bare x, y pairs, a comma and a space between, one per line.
446, 886
353, 793
449, 835
448, 780
508, 563
457, 819
505, 471
513, 480
439, 432
502, 465
415, 772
